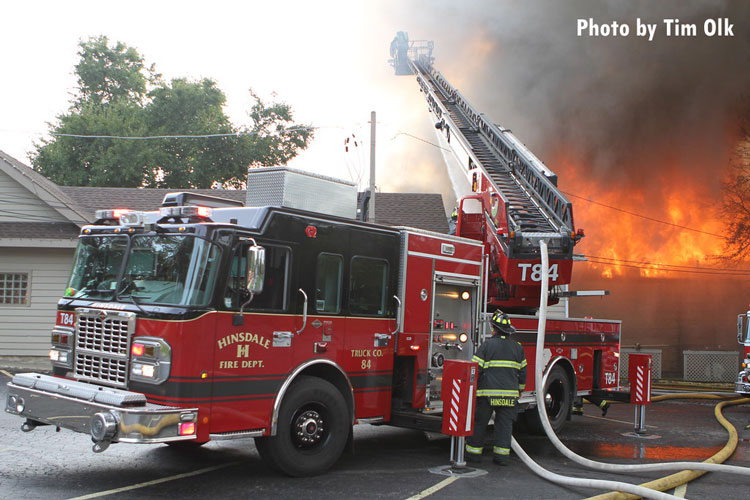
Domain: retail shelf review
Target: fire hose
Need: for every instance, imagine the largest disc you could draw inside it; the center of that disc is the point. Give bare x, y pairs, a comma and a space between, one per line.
586, 482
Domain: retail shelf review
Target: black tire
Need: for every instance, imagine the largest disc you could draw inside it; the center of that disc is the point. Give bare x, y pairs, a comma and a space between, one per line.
313, 428
558, 399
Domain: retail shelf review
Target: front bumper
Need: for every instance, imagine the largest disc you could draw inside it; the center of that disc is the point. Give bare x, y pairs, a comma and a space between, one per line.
109, 415
742, 387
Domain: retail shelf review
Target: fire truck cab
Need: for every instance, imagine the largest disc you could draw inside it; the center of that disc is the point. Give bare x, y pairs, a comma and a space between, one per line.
197, 323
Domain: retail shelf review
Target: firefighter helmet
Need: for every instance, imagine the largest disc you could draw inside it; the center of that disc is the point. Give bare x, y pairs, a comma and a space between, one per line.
501, 322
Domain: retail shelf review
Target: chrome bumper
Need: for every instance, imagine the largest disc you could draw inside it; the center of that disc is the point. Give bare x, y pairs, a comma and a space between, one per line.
109, 415
742, 387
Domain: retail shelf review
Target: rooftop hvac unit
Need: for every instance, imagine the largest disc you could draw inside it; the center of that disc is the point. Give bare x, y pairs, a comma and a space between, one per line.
287, 187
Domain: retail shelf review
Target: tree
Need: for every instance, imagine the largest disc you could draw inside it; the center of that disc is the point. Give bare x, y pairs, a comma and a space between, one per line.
191, 142
107, 74
735, 206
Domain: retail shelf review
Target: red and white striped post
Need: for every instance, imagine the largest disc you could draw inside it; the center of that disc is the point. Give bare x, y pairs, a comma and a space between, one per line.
639, 375
458, 391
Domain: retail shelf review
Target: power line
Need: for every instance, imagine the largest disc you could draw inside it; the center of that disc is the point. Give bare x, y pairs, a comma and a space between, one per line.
646, 263
152, 137
643, 216
420, 139
667, 267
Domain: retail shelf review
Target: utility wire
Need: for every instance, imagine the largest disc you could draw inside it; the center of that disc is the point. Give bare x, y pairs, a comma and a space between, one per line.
421, 140
151, 137
689, 271
645, 263
643, 216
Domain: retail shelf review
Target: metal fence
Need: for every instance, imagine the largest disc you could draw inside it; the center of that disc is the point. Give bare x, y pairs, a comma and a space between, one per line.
710, 366
655, 362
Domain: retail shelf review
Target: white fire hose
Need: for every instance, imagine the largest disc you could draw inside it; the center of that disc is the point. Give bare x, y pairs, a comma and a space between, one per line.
539, 382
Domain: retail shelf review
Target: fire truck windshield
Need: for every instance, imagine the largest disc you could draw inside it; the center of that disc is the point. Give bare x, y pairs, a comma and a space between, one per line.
159, 269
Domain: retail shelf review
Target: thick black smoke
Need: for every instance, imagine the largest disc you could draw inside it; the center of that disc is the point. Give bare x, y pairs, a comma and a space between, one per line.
623, 107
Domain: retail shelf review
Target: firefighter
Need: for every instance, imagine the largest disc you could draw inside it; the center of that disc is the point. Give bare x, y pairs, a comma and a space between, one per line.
502, 375
452, 223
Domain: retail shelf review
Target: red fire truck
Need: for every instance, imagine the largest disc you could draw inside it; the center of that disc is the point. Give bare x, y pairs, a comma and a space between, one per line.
290, 321
742, 386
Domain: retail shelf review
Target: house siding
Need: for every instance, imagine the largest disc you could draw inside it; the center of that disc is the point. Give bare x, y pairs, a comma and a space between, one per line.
18, 204
25, 329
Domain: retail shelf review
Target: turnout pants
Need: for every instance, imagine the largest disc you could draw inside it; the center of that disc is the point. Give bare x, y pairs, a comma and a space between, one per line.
504, 417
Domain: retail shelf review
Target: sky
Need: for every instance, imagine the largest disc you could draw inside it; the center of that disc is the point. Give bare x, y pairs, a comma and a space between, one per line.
522, 63
327, 59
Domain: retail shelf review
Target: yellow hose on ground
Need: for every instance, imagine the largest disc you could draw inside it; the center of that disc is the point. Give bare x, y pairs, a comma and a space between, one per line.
675, 480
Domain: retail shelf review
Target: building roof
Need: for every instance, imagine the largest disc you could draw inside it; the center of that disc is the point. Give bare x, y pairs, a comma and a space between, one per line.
43, 188
36, 230
418, 210
77, 205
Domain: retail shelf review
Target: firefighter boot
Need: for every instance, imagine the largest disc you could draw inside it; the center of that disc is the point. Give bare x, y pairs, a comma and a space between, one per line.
604, 405
577, 409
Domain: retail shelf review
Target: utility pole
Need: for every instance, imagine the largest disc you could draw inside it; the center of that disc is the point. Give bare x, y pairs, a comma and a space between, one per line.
371, 209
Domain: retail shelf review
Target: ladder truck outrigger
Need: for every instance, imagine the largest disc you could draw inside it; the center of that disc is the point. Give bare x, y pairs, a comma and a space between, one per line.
288, 320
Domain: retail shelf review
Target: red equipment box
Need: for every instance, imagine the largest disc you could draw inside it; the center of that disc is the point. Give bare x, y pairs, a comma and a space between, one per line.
458, 390
639, 375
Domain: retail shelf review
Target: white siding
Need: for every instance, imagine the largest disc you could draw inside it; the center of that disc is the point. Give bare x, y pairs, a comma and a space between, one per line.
25, 330
18, 204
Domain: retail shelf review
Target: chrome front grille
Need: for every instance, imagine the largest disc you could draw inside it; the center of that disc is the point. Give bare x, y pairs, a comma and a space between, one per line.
103, 345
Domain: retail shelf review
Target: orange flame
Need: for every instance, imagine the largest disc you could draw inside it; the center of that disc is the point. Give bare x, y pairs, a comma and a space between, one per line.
675, 229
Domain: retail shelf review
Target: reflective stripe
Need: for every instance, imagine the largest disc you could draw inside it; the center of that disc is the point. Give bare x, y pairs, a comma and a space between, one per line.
503, 364
523, 363
500, 451
473, 450
479, 361
522, 387
497, 392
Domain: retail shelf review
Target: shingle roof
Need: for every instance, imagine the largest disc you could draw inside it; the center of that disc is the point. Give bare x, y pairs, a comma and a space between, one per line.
96, 198
42, 187
45, 230
418, 210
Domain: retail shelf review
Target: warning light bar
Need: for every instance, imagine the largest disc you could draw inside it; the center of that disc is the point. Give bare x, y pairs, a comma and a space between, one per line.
133, 219
111, 214
186, 211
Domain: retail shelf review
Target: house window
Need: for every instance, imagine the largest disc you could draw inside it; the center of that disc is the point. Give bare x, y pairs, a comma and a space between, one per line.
14, 289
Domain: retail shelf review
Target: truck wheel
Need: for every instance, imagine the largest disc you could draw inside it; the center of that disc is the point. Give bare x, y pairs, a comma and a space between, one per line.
312, 430
557, 399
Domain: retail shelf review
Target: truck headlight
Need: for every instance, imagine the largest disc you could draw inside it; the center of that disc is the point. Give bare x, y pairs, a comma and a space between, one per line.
151, 360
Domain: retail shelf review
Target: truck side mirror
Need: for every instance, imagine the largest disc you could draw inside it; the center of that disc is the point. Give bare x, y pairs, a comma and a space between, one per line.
256, 269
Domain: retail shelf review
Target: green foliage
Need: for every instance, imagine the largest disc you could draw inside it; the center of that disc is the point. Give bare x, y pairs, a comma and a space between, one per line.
735, 203
106, 74
118, 96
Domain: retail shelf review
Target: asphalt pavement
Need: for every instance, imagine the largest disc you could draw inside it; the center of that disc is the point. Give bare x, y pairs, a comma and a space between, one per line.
387, 462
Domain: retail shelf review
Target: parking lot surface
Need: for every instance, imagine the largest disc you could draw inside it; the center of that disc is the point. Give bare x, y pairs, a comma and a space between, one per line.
387, 462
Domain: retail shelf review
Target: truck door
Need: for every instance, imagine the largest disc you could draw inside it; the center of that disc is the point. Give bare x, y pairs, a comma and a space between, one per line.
372, 282
253, 342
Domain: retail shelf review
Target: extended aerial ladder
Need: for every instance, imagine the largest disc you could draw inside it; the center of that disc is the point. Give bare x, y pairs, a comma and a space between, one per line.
507, 197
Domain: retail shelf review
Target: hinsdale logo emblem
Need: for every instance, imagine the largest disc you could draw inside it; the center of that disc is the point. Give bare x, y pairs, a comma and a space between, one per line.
243, 341
246, 337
